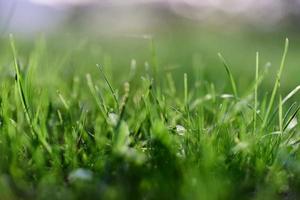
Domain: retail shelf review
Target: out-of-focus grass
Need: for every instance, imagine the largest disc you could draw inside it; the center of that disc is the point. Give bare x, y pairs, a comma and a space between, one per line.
69, 130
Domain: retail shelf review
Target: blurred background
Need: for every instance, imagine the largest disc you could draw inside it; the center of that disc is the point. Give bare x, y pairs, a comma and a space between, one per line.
186, 33
144, 16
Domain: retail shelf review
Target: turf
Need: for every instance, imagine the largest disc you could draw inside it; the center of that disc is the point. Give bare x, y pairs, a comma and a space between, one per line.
75, 128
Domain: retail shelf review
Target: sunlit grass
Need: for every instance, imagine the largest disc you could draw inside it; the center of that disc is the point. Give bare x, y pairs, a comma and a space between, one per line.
142, 133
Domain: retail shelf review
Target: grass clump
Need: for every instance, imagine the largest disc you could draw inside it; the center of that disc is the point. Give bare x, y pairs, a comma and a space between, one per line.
107, 136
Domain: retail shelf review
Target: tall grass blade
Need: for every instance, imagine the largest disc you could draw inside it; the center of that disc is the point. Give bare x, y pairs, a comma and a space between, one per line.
277, 83
232, 81
185, 83
255, 91
280, 116
109, 85
19, 84
98, 100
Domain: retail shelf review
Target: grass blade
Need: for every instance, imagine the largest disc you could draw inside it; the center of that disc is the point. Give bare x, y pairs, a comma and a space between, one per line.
185, 84
291, 118
99, 100
109, 85
277, 83
286, 98
255, 92
280, 116
232, 81
19, 84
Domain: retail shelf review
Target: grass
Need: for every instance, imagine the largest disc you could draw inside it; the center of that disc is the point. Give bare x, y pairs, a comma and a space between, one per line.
90, 132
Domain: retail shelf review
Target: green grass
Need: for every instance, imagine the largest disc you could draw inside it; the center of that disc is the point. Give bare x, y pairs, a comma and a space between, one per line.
73, 127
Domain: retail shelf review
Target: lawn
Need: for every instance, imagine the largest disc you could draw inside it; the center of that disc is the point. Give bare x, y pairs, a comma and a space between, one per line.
149, 118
